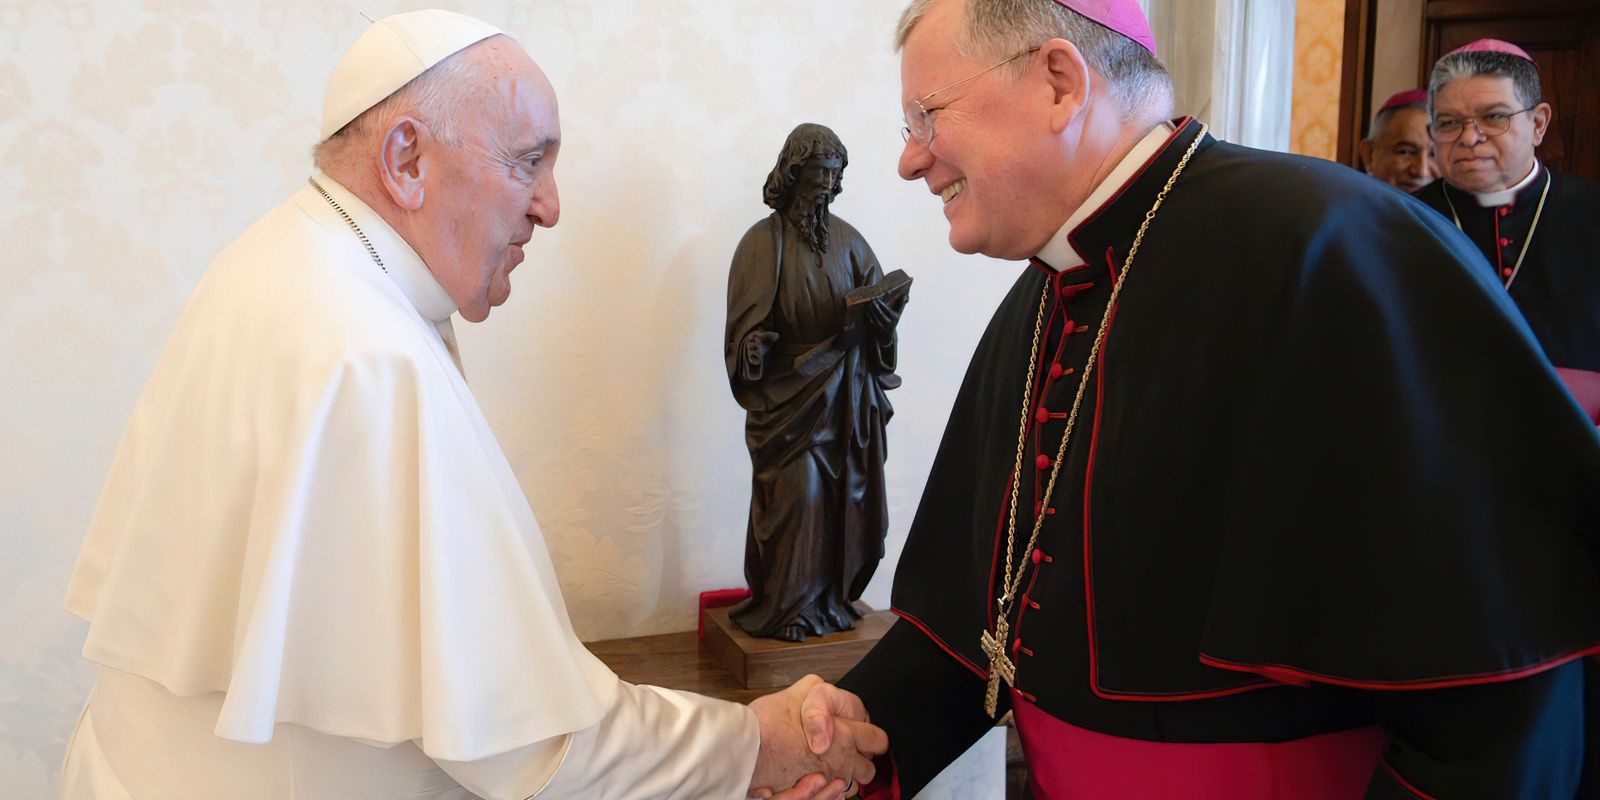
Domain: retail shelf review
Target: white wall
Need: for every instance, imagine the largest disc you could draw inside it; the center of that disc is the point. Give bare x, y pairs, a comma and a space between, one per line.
138, 137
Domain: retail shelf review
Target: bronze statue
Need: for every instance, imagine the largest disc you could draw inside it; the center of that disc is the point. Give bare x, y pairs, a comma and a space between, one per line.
810, 349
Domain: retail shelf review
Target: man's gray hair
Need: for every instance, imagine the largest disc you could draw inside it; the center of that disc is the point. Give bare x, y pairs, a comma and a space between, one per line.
1523, 73
1003, 28
1382, 117
434, 97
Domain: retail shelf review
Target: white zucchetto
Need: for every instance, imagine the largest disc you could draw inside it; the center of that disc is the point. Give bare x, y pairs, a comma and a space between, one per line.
395, 50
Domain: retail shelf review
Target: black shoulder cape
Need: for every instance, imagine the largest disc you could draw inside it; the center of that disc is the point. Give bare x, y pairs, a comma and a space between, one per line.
1320, 445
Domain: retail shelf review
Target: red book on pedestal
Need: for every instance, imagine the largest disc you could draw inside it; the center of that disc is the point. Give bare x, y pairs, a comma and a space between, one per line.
716, 599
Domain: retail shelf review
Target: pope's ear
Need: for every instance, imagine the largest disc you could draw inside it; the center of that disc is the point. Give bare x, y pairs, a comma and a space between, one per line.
400, 163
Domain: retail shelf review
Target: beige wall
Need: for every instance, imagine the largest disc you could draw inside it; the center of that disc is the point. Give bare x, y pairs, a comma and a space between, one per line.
1398, 48
1318, 48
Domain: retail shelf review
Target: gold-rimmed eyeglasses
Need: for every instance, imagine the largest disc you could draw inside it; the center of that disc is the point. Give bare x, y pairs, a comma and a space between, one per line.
1494, 123
919, 117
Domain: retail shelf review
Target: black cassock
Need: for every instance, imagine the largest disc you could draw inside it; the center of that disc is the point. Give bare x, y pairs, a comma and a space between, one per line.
818, 511
1557, 287
1322, 478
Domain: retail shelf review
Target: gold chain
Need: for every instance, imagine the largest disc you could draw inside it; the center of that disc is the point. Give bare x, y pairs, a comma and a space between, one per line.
1527, 241
1012, 580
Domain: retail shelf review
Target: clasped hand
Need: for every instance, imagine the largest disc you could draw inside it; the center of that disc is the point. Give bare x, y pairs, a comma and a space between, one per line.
756, 346
883, 316
815, 740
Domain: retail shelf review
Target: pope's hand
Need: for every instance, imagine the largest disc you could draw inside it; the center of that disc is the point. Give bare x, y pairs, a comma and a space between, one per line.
790, 756
811, 787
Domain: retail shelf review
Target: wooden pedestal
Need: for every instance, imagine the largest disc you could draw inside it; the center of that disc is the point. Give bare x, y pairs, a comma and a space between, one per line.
770, 663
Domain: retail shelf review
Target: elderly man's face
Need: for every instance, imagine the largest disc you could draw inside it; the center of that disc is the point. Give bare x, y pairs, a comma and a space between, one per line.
990, 135
484, 198
1401, 154
1480, 163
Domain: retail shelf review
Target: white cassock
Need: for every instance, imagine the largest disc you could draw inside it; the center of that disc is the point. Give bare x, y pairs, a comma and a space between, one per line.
312, 573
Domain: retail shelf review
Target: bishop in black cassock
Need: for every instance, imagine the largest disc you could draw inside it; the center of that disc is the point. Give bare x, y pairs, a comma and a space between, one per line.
1539, 230
1323, 527
1557, 286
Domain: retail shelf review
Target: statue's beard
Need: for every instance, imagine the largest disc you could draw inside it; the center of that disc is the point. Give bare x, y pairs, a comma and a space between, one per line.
812, 223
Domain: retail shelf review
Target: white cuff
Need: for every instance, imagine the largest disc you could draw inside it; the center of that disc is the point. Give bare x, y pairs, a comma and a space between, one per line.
661, 744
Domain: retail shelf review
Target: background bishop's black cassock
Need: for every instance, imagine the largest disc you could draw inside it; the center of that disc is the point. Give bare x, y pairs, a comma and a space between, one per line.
1319, 445
1557, 288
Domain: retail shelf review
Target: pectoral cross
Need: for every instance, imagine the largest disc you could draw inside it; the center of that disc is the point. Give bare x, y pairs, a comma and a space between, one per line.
1000, 666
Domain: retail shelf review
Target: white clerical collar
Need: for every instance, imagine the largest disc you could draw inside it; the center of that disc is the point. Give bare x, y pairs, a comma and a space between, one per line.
1506, 196
1058, 252
403, 265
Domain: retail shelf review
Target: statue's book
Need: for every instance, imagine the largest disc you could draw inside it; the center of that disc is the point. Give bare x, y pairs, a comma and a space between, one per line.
894, 287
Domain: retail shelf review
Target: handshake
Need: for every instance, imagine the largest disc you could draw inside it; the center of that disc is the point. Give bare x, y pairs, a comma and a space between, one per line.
815, 740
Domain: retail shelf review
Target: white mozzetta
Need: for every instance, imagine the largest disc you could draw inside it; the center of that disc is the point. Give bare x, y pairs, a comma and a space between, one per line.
308, 512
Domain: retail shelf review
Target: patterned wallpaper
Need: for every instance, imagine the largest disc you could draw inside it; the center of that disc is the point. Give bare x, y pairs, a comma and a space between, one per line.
1318, 48
138, 136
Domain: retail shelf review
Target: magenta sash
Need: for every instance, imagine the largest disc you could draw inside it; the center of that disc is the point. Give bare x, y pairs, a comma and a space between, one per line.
1066, 762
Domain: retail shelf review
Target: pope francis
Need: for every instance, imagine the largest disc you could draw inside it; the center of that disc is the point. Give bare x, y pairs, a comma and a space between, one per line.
312, 573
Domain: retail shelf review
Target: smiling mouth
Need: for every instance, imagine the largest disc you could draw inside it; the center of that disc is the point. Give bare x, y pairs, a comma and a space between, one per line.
949, 192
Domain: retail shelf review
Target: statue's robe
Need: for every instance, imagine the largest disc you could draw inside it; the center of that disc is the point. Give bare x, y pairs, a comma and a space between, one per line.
815, 431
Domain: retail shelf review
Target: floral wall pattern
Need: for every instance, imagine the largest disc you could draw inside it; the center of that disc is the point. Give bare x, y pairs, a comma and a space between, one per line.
1318, 49
138, 136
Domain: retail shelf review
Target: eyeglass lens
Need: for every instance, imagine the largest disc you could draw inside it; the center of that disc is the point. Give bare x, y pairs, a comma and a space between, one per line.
1450, 129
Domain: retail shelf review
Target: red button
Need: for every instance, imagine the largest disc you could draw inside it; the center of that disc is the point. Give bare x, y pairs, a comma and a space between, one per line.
1043, 416
1043, 461
1069, 292
1506, 272
1505, 211
1070, 323
1016, 645
1505, 242
1038, 555
1056, 370
1080, 329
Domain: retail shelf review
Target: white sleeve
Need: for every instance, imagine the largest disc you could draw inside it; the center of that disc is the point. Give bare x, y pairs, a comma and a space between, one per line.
652, 744
513, 775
